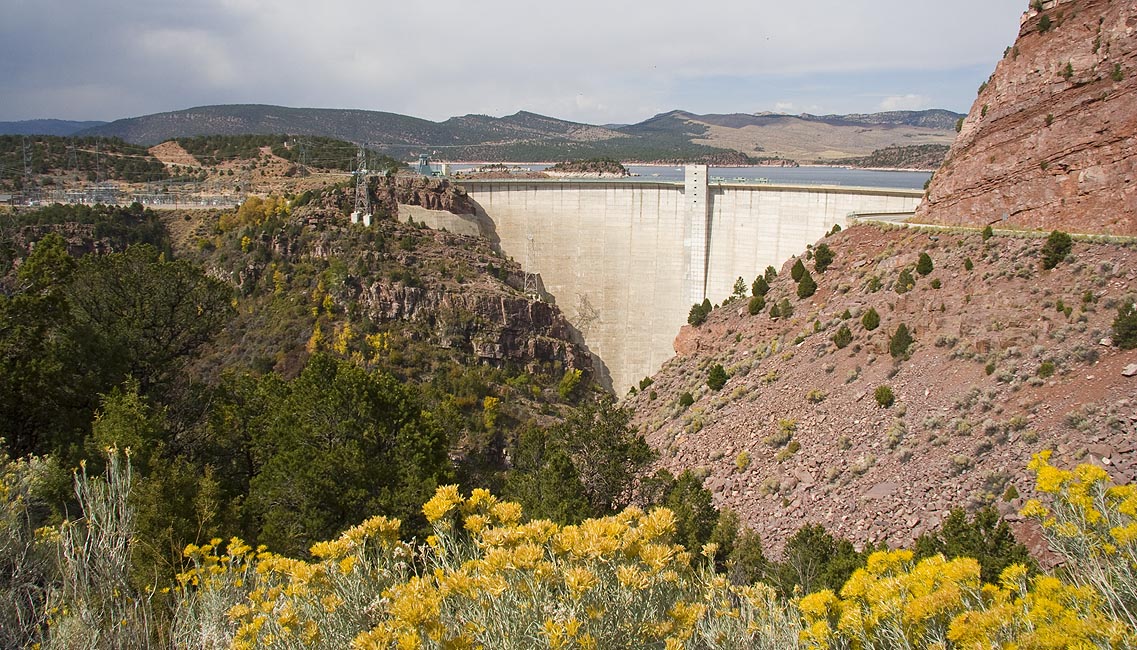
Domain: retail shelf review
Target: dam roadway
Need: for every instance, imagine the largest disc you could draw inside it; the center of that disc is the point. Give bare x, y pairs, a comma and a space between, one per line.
625, 260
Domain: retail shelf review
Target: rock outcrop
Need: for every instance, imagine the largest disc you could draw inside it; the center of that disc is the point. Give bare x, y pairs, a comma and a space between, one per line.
1051, 140
494, 326
429, 193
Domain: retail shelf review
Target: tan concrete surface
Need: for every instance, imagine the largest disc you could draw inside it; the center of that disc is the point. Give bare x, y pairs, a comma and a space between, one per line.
625, 260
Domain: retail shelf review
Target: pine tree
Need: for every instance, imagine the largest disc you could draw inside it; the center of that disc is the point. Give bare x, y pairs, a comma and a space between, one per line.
899, 343
871, 320
822, 257
760, 286
797, 270
806, 287
924, 266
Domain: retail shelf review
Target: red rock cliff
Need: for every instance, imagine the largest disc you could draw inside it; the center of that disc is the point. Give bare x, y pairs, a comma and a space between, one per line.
1051, 141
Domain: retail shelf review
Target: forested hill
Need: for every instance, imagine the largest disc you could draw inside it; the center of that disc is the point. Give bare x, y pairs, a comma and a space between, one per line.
46, 127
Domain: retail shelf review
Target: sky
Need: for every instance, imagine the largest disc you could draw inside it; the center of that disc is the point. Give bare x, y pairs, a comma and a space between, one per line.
600, 62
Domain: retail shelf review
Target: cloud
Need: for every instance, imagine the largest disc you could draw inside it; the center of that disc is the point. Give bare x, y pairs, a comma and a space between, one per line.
905, 103
589, 60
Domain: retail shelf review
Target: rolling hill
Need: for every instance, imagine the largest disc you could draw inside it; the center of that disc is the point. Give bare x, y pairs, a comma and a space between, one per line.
675, 136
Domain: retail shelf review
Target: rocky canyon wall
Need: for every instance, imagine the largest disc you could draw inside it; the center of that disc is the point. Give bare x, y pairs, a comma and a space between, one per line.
1051, 140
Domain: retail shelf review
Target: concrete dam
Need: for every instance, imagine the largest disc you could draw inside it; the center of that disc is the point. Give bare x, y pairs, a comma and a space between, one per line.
625, 260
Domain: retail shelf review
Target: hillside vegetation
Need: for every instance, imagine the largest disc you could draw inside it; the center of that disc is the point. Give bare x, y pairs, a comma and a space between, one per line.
920, 156
86, 159
908, 380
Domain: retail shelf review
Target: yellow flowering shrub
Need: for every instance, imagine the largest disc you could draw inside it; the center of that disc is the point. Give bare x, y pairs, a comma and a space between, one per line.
241, 597
938, 603
488, 579
616, 582
1092, 524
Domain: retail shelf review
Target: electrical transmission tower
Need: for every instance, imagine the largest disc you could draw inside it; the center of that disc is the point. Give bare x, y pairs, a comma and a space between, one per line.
362, 198
532, 290
30, 193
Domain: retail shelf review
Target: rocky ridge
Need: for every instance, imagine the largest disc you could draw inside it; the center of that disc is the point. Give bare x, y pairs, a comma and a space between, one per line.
1008, 360
449, 291
1051, 140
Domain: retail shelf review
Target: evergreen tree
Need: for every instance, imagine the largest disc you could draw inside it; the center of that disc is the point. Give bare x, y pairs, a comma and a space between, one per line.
899, 342
797, 270
822, 257
1056, 248
904, 282
1125, 327
870, 320
924, 266
985, 537
757, 304
760, 286
843, 337
716, 377
806, 287
785, 309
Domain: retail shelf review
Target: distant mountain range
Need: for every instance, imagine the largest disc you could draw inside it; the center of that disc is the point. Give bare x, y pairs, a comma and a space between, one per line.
675, 136
46, 127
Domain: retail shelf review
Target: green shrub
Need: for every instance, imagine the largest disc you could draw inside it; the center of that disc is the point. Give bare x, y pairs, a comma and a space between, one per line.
968, 265
989, 369
806, 287
924, 266
1044, 24
787, 451
742, 460
884, 396
569, 383
756, 305
1125, 327
770, 274
1056, 248
699, 312
899, 342
797, 270
686, 399
785, 432
835, 229
846, 315
716, 377
936, 284
1046, 369
843, 337
815, 396
874, 284
822, 257
986, 538
904, 282
871, 320
1116, 75
785, 308
760, 287
645, 382
988, 233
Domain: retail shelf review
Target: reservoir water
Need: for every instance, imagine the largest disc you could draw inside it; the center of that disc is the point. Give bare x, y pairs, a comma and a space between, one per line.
843, 176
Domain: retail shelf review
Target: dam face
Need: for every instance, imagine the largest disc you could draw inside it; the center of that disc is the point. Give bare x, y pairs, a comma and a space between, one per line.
625, 260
